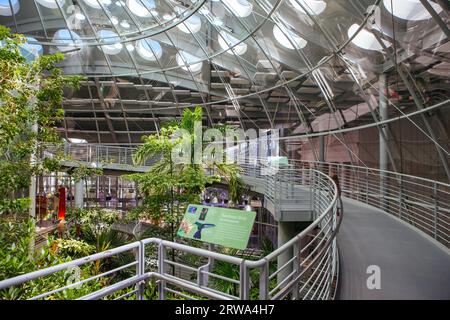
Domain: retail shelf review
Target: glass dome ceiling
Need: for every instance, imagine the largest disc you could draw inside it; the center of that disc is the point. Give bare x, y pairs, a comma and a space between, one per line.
308, 67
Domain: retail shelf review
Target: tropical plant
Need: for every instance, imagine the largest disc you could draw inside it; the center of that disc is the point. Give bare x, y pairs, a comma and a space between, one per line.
98, 217
31, 94
170, 186
72, 248
15, 259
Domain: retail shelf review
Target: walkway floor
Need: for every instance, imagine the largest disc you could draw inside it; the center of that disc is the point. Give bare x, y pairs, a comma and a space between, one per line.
412, 267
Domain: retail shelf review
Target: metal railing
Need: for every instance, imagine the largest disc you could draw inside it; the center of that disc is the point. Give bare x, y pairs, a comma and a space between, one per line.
310, 272
98, 154
422, 203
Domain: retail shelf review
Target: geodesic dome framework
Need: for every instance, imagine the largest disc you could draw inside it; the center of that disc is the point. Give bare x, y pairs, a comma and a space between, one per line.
311, 68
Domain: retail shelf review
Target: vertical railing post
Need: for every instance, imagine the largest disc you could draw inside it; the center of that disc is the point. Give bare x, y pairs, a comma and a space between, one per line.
291, 181
436, 208
203, 279
311, 190
296, 268
243, 281
161, 271
400, 197
140, 258
277, 191
367, 185
264, 281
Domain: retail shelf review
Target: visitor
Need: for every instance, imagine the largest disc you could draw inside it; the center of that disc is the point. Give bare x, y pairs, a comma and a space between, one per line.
102, 198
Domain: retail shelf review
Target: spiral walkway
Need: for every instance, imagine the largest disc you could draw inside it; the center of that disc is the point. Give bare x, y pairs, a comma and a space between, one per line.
412, 266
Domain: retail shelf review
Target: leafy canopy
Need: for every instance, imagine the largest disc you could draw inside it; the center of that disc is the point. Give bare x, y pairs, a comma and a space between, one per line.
31, 95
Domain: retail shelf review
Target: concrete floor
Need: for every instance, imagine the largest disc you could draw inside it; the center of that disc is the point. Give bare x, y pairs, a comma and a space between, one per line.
412, 266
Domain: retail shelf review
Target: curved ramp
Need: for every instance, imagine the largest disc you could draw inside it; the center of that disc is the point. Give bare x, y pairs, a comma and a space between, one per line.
412, 266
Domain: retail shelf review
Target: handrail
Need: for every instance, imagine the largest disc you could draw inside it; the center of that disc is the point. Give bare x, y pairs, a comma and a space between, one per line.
420, 202
316, 268
371, 169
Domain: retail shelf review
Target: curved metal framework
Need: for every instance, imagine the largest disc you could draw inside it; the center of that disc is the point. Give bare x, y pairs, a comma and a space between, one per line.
320, 76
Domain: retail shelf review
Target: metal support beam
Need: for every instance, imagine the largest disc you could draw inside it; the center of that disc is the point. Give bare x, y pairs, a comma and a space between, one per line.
322, 148
322, 152
445, 4
420, 106
436, 17
383, 140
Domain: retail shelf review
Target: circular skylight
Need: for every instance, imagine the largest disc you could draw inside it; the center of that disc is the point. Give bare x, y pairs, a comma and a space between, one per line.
77, 140
114, 20
185, 60
130, 47
112, 42
70, 39
149, 49
191, 25
217, 22
31, 50
51, 4
313, 6
410, 9
226, 41
5, 7
97, 4
125, 24
141, 8
365, 39
288, 38
240, 8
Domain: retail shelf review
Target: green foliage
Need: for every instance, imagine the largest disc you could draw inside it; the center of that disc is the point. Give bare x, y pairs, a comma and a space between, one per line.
16, 236
96, 226
231, 175
16, 259
31, 94
97, 217
72, 248
83, 172
230, 271
168, 186
17, 206
266, 246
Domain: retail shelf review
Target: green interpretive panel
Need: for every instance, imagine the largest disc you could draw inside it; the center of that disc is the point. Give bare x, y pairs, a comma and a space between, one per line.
222, 226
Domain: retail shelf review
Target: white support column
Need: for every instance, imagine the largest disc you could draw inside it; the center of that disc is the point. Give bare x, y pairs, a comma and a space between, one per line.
286, 231
79, 196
